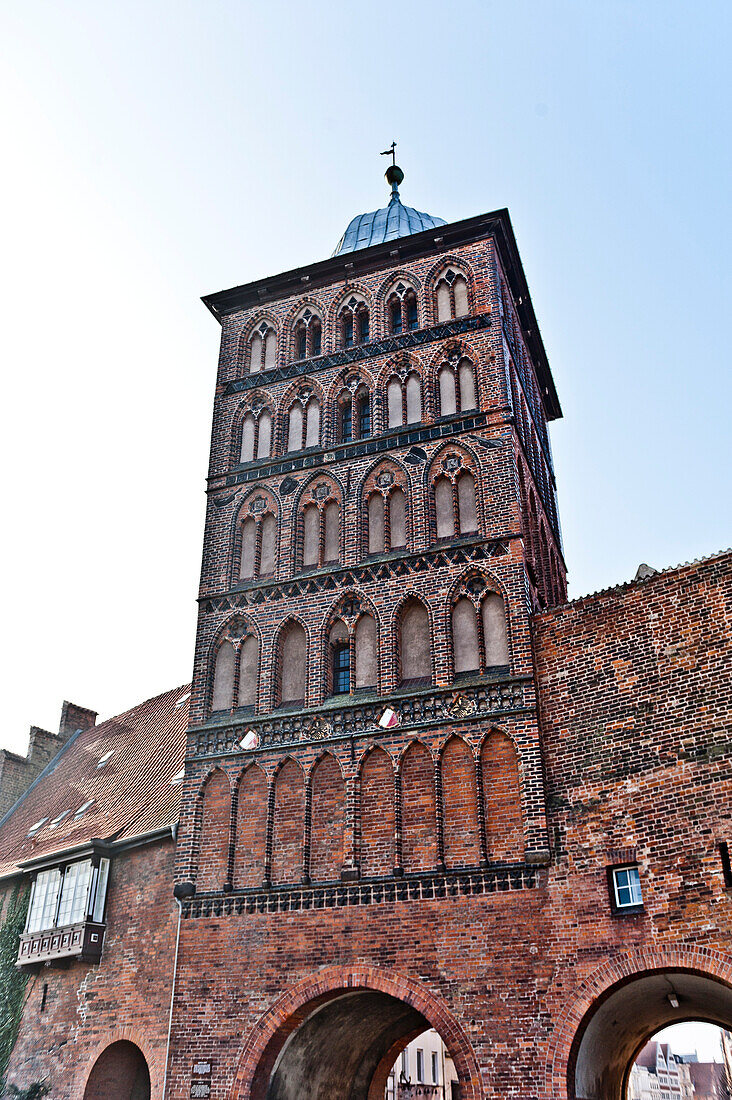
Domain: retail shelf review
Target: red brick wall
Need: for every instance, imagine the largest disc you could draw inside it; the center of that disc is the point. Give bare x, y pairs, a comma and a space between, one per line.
328, 815
251, 829
377, 814
125, 997
419, 818
635, 703
289, 822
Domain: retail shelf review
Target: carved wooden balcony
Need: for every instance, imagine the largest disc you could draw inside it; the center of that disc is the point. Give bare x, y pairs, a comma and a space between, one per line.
81, 941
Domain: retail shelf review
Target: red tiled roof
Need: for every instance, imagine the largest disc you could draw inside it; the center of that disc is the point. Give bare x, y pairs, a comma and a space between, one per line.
132, 793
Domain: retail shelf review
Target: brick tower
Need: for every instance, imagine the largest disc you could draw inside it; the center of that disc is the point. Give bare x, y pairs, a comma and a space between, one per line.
364, 744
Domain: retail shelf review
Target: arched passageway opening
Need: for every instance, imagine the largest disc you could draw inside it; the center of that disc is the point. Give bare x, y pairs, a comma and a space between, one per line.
619, 1024
119, 1073
342, 1046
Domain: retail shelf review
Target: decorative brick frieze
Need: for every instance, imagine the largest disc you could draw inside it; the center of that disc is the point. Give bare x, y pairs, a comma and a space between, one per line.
395, 565
462, 702
414, 888
361, 352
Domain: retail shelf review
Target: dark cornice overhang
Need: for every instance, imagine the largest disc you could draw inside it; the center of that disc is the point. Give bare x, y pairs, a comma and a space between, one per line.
443, 238
96, 846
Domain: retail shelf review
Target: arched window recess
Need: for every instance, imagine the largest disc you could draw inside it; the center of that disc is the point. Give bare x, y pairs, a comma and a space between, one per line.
302, 422
401, 309
262, 350
255, 538
451, 295
352, 651
455, 499
308, 335
256, 434
235, 678
456, 387
479, 629
404, 398
319, 527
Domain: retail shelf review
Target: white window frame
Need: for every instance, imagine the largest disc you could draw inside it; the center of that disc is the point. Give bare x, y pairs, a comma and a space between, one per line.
68, 894
631, 884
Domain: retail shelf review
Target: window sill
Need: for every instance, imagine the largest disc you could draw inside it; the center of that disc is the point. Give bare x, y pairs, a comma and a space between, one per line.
627, 910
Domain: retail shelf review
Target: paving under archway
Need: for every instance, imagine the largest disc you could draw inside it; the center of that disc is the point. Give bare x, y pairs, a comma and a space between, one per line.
616, 1028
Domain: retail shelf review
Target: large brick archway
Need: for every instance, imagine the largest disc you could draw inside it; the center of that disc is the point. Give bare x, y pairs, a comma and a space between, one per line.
269, 1036
694, 970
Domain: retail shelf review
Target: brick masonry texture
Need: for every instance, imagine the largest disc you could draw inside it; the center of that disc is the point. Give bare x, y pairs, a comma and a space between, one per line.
72, 1015
635, 716
451, 869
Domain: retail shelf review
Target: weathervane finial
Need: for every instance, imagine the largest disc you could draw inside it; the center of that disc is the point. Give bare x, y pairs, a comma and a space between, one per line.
391, 152
394, 174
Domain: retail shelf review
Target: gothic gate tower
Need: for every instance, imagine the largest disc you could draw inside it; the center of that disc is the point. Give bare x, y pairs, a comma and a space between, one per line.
364, 796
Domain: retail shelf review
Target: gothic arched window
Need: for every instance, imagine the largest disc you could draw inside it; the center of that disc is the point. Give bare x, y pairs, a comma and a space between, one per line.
262, 348
401, 308
236, 670
404, 399
352, 656
451, 295
479, 632
456, 387
354, 323
319, 532
258, 540
308, 335
354, 414
415, 643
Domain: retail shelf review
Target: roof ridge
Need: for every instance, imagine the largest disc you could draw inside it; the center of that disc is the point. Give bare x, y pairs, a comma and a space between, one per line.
622, 585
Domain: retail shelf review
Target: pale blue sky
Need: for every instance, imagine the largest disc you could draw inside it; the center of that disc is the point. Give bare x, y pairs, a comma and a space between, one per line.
158, 151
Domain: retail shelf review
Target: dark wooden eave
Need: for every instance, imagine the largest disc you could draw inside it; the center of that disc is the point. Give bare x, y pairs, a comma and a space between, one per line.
444, 238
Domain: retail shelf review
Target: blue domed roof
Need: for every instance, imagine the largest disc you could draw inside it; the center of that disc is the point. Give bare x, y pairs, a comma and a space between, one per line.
392, 221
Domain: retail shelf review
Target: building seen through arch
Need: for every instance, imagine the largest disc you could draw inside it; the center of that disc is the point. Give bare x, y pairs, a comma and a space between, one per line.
413, 803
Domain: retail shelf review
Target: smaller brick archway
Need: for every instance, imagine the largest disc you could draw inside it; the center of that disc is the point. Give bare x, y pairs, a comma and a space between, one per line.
339, 1032
622, 1004
119, 1073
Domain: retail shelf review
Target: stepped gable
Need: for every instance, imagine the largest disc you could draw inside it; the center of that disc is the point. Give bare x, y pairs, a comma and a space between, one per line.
130, 793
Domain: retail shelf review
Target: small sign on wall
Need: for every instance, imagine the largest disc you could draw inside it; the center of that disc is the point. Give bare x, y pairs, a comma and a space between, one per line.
201, 1080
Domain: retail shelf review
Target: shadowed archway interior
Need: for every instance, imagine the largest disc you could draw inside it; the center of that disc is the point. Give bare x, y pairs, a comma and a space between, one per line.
119, 1073
340, 1050
615, 1030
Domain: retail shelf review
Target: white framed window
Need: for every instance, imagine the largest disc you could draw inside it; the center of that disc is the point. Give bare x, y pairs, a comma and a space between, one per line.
44, 900
68, 895
74, 892
420, 1066
626, 887
435, 1068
